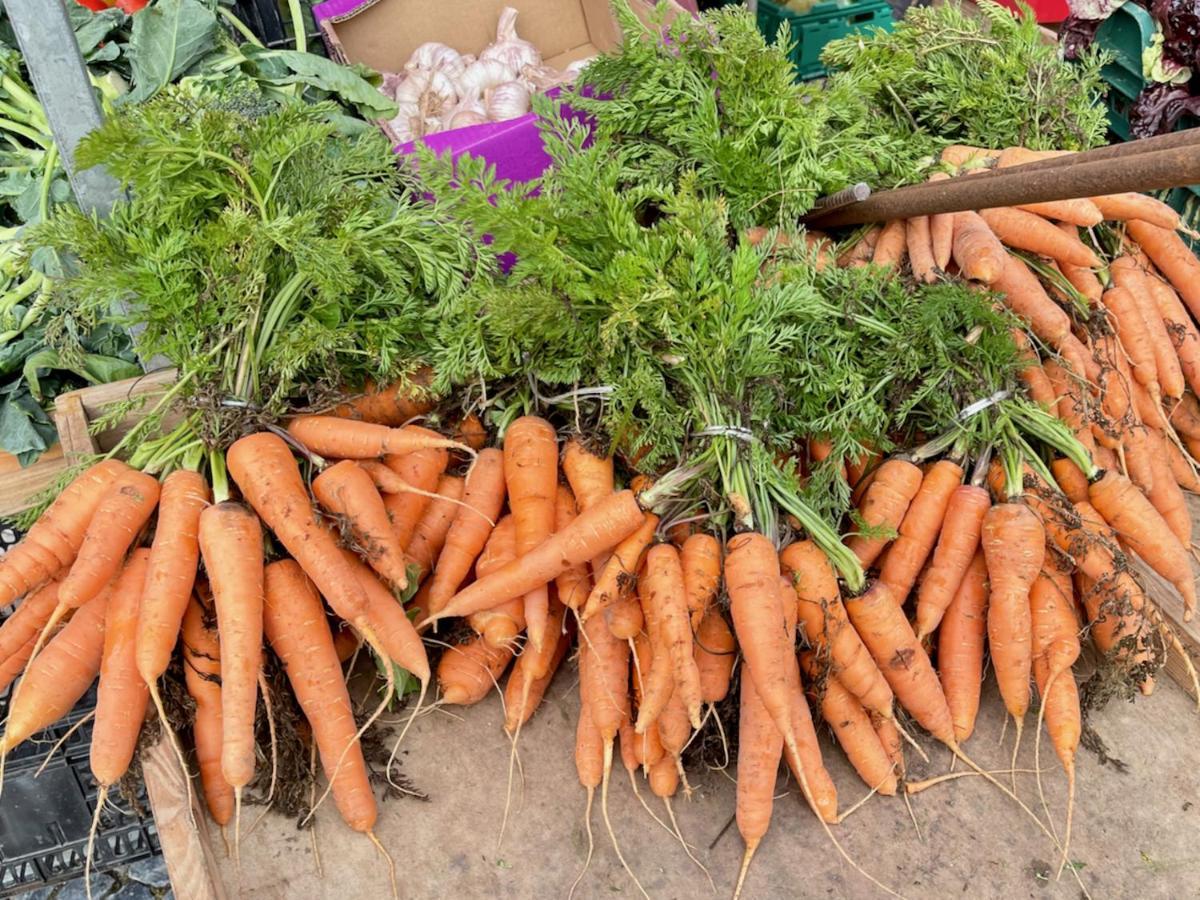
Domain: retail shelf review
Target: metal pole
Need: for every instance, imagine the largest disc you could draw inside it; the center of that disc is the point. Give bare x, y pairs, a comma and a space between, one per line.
60, 80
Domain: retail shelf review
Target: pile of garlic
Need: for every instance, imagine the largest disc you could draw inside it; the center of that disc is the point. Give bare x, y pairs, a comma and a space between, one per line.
441, 89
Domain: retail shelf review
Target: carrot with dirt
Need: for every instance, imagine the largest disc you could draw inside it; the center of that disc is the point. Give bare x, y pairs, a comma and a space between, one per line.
668, 596
920, 527
861, 251
394, 637
470, 431
851, 726
960, 646
122, 695
482, 500
978, 252
1071, 408
1165, 494
654, 676
957, 545
336, 438
617, 576
596, 530
467, 672
346, 491
700, 556
574, 584
1128, 275
1140, 525
392, 404
1027, 231
420, 472
1031, 373
202, 675
1082, 278
54, 540
1134, 337
531, 475
715, 649
1172, 257
1182, 468
429, 537
883, 507
1184, 335
501, 625
1123, 207
591, 480
1024, 295
827, 629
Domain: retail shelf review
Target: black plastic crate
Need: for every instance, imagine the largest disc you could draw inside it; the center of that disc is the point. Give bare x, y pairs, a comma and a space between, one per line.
271, 22
44, 820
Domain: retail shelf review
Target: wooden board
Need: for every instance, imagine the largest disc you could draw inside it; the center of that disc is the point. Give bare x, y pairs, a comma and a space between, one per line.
74, 411
20, 485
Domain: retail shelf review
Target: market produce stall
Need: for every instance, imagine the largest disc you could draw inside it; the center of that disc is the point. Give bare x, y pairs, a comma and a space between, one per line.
711, 419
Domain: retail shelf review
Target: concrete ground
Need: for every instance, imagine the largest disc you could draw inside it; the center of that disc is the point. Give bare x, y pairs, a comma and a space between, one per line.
1135, 823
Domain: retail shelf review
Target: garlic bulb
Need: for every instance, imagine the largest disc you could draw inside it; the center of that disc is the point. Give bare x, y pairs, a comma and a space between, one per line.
465, 112
481, 76
391, 81
432, 92
507, 101
509, 48
436, 57
408, 123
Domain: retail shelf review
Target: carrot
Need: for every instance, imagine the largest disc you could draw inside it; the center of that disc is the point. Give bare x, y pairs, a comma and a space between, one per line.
1081, 212
1173, 258
965, 156
888, 733
1182, 331
336, 438
591, 480
1134, 337
880, 623
531, 474
1082, 278
589, 766
890, 248
1027, 231
941, 231
467, 673
615, 579
700, 556
501, 625
852, 727
1031, 373
625, 618
1071, 405
827, 629
861, 469
1128, 275
760, 745
715, 649
14, 664
122, 695
1185, 417
1070, 478
883, 506
859, 253
978, 252
58, 676
26, 623
1115, 626
1018, 156
264, 469
345, 490
1054, 631
920, 249
1114, 381
420, 472
429, 537
470, 431
960, 646
295, 624
393, 634
392, 404
1014, 546
483, 497
386, 481
575, 583
809, 767
53, 542
202, 674
232, 547
1122, 207
1064, 724
171, 572
1181, 468
1025, 296
654, 677
664, 574
956, 547
1140, 525
1166, 495
523, 693
649, 746
920, 527
126, 506
596, 530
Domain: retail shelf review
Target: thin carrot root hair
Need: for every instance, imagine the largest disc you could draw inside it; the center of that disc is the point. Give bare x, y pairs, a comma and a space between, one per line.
637, 793
686, 849
871, 793
514, 762
1070, 815
62, 740
403, 731
312, 797
101, 799
1037, 755
608, 758
237, 830
912, 815
748, 855
916, 787
683, 779
1019, 725
721, 732
266, 695
156, 696
587, 821
387, 858
900, 729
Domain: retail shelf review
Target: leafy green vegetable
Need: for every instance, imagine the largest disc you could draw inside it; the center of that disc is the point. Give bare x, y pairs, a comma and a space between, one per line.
168, 38
989, 79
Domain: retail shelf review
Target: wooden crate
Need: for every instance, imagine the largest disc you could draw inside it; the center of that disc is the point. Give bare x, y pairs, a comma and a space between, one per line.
74, 412
19, 485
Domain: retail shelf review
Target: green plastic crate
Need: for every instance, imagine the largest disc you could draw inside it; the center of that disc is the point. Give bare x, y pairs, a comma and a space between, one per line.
825, 22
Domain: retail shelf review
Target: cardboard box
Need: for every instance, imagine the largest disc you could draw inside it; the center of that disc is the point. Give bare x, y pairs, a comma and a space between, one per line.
383, 34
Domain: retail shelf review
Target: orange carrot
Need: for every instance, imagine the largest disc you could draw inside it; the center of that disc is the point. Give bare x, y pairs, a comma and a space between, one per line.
1128, 275
202, 674
575, 583
625, 618
1122, 207
1181, 468
501, 625
171, 573
421, 472
664, 573
1031, 373
956, 547
920, 527
470, 431
483, 497
1166, 495
531, 474
1173, 258
700, 556
653, 671
617, 576
27, 622
920, 249
1081, 212
1055, 630
1071, 405
965, 156
960, 646
597, 530
126, 506
523, 693
884, 505
1082, 278
393, 633
1070, 478
1184, 336
393, 404
979, 254
53, 542
715, 651
760, 746
347, 491
429, 537
1027, 231
14, 664
468, 672
1131, 329
336, 438
386, 481
889, 249
1025, 296
231, 544
295, 624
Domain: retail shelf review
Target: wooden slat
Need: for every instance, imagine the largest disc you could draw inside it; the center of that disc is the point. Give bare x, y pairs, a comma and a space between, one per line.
19, 486
95, 401
72, 423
